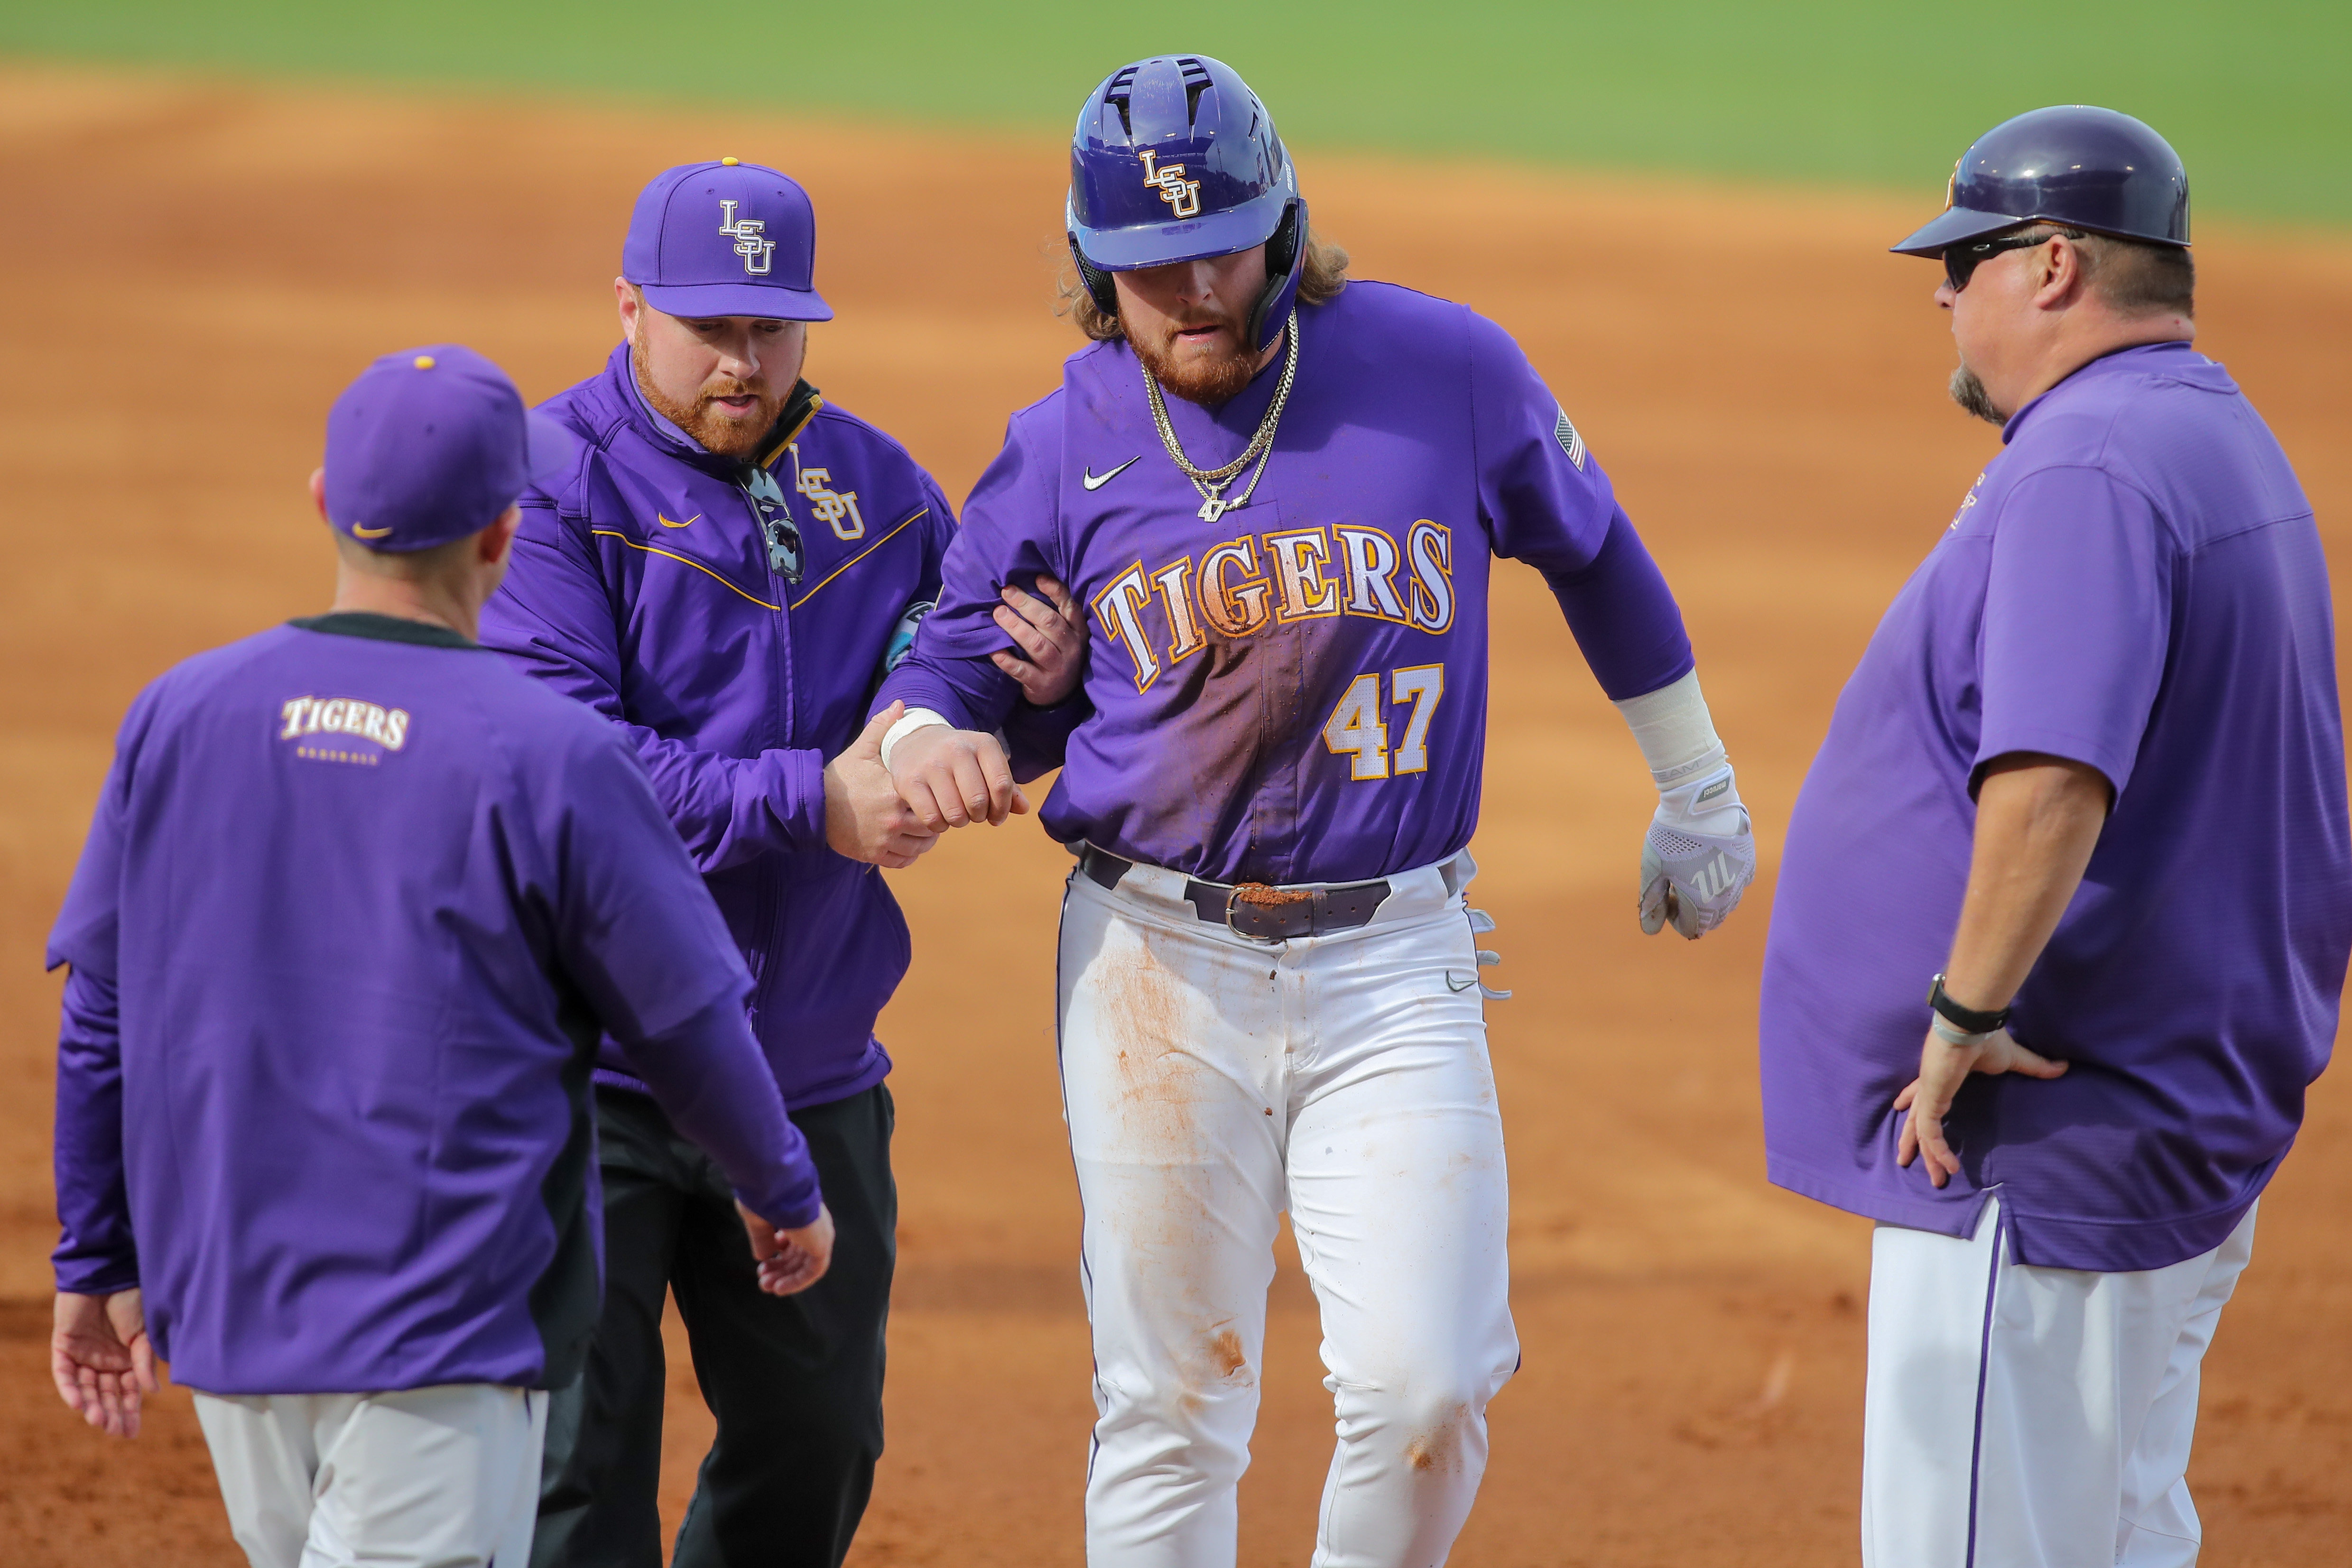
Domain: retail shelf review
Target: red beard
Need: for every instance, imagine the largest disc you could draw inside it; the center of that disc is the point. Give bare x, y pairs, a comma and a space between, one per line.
722, 433
1206, 376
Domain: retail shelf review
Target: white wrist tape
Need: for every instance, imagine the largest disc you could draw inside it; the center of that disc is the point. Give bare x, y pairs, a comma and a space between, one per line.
1674, 731
915, 718
1695, 791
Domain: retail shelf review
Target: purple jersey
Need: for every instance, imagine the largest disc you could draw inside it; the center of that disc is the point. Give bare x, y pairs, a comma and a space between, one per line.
363, 896
644, 586
1295, 692
2135, 583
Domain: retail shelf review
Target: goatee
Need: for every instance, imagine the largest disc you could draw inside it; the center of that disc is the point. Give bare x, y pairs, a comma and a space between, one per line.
718, 433
1209, 378
1970, 395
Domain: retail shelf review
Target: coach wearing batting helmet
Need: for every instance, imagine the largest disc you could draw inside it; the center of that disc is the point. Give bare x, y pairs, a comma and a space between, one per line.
724, 571
2067, 898
357, 901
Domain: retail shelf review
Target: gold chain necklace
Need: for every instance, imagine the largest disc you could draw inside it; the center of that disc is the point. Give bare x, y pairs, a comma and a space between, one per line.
1212, 482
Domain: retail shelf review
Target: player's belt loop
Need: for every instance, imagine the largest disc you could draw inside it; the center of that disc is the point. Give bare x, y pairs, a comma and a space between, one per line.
1103, 868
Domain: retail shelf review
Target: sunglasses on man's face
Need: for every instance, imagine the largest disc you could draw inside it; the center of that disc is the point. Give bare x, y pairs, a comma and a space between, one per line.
1961, 261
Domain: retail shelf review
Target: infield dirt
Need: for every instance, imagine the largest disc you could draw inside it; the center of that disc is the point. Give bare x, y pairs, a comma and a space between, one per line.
197, 266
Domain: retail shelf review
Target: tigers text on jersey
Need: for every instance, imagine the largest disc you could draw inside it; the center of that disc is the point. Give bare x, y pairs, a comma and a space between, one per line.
1295, 692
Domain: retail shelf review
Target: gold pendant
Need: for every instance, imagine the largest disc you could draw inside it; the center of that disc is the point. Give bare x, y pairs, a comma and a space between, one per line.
1213, 508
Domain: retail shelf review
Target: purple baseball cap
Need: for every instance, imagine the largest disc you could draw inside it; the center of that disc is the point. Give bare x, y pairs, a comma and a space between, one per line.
430, 445
728, 238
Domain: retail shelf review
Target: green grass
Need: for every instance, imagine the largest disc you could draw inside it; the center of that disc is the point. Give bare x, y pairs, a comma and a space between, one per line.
2256, 94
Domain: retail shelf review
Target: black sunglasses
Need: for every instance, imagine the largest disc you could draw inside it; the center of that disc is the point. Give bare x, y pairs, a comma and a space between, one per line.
1961, 261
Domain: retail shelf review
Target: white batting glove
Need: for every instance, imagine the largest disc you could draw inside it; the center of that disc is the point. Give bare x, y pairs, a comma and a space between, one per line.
1698, 856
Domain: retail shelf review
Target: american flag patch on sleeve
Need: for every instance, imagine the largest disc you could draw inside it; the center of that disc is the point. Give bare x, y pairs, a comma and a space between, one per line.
1569, 442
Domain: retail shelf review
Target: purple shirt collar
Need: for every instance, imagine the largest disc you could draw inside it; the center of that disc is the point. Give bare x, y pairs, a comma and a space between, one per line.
2142, 356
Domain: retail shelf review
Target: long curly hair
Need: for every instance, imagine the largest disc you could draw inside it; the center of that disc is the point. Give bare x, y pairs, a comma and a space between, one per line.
1325, 274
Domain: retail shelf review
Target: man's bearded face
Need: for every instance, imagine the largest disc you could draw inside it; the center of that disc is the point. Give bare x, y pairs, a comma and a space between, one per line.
1200, 357
729, 416
1970, 395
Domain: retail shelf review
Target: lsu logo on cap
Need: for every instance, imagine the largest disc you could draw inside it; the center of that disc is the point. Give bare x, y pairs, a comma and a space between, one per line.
306, 716
752, 242
1182, 196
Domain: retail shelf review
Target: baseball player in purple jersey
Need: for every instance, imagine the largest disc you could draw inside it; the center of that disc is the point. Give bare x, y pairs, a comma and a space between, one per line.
2064, 919
723, 569
1279, 492
356, 904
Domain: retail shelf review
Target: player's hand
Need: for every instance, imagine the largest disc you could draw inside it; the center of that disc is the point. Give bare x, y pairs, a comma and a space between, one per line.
954, 777
864, 819
1943, 1068
1052, 635
1698, 858
102, 1360
789, 1260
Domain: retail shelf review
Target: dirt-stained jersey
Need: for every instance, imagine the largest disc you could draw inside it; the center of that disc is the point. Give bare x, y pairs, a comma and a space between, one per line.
1297, 691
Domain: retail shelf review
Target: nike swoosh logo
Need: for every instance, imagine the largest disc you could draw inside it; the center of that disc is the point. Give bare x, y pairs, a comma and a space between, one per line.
1094, 484
1463, 987
667, 524
359, 533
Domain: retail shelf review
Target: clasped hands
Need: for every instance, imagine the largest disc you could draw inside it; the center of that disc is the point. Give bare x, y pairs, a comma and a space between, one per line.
945, 777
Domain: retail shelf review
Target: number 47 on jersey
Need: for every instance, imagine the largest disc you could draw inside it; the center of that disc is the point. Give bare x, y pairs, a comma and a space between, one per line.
1359, 730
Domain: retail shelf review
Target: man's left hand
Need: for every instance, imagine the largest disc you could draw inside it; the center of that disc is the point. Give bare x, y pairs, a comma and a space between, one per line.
102, 1360
1053, 635
1943, 1068
1698, 858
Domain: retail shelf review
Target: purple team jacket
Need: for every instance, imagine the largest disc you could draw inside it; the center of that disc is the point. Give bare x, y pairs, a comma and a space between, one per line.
642, 586
356, 900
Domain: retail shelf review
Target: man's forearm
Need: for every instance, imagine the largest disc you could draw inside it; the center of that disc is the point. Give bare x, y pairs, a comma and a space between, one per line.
715, 1087
2038, 820
95, 1253
1624, 615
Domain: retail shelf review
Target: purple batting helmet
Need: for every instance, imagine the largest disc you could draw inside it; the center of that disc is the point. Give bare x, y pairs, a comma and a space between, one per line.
1175, 159
2086, 168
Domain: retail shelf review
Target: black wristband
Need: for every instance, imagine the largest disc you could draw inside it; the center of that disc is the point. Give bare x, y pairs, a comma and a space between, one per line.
1967, 1020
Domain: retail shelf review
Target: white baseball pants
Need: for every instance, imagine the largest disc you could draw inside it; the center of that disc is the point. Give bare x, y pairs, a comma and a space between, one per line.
1213, 1082
2032, 1418
427, 1478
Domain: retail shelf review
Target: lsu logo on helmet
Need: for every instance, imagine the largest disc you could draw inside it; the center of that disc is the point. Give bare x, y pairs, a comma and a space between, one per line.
1182, 196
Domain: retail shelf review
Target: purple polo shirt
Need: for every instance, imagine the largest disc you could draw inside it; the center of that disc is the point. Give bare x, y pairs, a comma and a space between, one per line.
1295, 692
356, 902
2135, 583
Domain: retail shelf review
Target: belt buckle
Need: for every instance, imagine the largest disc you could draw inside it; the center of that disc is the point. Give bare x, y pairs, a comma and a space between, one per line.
1234, 900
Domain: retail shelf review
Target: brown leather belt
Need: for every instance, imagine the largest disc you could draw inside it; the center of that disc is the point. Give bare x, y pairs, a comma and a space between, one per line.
1256, 909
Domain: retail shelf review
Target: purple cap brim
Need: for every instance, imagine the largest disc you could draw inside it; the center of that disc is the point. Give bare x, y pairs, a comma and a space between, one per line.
766, 301
1164, 245
1956, 225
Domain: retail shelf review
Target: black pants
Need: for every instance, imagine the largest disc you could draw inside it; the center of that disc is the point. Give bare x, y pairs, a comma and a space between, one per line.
794, 1381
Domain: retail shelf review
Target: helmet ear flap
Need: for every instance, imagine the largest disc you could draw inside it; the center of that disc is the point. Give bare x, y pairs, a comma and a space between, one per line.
1285, 263
1098, 283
